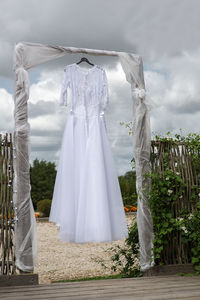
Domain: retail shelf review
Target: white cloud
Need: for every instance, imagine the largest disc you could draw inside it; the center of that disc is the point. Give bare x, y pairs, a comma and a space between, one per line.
47, 87
174, 88
7, 111
152, 29
49, 123
160, 28
163, 32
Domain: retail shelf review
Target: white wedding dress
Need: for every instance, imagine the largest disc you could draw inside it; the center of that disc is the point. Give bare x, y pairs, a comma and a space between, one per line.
87, 203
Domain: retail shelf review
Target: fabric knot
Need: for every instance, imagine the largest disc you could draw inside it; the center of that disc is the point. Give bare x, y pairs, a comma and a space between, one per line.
20, 68
102, 113
139, 93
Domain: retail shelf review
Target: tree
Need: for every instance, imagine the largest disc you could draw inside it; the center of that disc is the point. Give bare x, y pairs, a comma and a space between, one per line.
42, 177
128, 183
128, 188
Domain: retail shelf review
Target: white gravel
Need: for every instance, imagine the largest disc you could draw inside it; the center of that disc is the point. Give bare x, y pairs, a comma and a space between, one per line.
59, 261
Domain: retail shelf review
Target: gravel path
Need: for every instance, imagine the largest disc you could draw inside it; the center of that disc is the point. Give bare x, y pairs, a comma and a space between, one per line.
59, 261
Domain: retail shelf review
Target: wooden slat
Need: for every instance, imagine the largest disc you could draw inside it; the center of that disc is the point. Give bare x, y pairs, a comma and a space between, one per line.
179, 156
173, 287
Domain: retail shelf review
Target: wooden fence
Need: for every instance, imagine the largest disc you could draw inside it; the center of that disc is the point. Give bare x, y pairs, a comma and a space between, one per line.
7, 257
180, 158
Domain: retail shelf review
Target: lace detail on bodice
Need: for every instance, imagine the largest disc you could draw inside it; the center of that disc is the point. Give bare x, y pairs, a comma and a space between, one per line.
89, 89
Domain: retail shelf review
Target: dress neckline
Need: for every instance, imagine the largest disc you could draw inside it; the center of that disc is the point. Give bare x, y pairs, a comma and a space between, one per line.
84, 72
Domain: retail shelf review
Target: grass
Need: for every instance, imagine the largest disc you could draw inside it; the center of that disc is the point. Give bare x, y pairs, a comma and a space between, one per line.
188, 274
92, 278
113, 277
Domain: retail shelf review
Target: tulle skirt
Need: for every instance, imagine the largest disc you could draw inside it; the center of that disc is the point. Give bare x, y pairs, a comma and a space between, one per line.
87, 204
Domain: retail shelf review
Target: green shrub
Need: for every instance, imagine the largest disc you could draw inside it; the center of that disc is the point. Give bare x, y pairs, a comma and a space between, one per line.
174, 221
42, 176
44, 206
130, 200
125, 259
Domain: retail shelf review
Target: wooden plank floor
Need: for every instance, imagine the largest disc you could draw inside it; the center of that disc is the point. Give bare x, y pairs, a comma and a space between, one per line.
144, 288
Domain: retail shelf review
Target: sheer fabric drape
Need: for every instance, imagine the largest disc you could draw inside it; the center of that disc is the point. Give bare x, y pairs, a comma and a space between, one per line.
28, 55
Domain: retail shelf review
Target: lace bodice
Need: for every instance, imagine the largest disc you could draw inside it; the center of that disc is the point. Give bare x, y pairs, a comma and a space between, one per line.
89, 89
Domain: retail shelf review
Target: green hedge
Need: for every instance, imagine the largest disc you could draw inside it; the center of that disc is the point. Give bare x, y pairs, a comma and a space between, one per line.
43, 207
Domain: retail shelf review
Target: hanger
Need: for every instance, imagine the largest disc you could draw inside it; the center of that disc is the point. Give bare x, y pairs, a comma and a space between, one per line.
86, 60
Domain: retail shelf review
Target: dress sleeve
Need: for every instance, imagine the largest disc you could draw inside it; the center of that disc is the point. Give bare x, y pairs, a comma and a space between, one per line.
105, 95
65, 85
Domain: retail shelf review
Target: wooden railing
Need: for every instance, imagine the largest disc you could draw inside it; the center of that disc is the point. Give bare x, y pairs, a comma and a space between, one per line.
7, 257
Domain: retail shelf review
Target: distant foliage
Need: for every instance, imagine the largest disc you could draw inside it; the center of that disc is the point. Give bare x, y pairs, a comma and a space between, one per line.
43, 207
127, 184
42, 174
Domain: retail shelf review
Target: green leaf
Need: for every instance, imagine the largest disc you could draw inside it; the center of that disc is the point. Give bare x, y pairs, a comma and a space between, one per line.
172, 221
169, 215
195, 260
197, 268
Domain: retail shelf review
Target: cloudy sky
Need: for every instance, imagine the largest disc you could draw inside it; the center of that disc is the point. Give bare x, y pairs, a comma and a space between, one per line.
164, 32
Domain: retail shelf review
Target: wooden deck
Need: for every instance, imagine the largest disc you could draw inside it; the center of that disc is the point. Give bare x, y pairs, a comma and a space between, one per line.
145, 288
